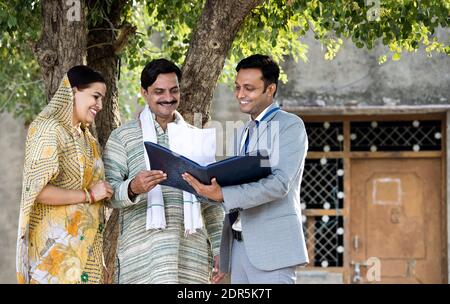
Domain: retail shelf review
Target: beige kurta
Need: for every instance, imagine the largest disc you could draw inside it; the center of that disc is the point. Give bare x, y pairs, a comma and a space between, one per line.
156, 256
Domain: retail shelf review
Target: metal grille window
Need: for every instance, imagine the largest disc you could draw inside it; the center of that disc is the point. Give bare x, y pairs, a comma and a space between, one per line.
325, 136
322, 194
395, 136
325, 239
334, 146
322, 184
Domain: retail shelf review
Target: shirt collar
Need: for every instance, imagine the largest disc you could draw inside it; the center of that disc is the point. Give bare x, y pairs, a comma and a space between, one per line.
158, 128
261, 115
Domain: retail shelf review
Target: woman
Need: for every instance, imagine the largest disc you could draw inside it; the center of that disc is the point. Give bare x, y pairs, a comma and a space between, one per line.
61, 216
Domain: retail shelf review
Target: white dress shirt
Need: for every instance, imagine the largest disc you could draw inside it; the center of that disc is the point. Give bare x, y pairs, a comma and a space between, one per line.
237, 224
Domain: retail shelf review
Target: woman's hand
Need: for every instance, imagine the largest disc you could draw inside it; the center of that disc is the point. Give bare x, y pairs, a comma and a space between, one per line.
101, 190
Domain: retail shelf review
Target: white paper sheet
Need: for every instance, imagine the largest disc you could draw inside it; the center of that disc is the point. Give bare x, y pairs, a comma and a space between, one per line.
198, 145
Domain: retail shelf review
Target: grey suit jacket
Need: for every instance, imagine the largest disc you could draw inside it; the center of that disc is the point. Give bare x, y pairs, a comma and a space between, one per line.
270, 208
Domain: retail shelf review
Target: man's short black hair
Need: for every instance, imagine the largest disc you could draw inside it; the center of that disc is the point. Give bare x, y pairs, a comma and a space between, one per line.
269, 68
156, 67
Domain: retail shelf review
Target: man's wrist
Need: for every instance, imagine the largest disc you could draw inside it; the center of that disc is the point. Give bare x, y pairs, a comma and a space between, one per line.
131, 194
220, 196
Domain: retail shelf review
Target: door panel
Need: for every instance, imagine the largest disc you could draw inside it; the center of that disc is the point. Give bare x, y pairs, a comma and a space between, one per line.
396, 220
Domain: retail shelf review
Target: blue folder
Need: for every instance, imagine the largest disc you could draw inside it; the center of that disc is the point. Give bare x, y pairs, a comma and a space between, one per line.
228, 172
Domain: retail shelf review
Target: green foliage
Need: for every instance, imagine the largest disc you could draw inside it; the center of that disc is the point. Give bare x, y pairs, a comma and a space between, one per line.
98, 11
402, 25
22, 88
173, 21
21, 84
276, 27
156, 37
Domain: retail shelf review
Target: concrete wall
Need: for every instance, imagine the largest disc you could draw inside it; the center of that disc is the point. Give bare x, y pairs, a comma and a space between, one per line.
354, 77
224, 108
12, 150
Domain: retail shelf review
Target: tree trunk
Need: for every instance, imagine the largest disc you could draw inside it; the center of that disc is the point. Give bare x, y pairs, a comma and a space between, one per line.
105, 41
62, 43
102, 56
210, 43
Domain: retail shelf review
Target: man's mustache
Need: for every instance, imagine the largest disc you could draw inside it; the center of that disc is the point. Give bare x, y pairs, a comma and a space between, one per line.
164, 102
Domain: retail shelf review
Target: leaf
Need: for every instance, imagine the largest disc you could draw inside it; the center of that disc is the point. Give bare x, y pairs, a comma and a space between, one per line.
12, 21
382, 59
396, 57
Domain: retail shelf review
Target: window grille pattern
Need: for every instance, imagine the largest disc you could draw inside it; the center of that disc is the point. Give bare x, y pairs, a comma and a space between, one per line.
325, 136
395, 136
323, 184
323, 179
325, 239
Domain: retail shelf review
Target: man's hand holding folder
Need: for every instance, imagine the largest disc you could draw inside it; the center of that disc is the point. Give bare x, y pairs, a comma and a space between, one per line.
228, 172
145, 181
213, 191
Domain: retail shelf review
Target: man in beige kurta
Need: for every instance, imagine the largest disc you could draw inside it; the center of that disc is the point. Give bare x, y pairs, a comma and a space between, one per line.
166, 255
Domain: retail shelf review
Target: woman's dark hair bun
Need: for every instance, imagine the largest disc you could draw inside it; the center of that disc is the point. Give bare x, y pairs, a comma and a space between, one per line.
82, 76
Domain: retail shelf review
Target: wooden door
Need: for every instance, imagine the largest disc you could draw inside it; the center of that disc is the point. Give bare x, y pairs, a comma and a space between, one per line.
395, 223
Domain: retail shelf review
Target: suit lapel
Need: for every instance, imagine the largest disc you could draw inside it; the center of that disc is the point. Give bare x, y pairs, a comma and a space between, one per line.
261, 130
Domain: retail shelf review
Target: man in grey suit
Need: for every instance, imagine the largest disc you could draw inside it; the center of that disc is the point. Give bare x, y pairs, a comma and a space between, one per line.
262, 237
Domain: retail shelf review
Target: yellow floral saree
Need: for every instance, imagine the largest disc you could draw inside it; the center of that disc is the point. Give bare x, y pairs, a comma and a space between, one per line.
60, 244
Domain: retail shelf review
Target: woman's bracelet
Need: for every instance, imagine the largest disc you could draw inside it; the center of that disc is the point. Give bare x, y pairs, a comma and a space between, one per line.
87, 196
91, 194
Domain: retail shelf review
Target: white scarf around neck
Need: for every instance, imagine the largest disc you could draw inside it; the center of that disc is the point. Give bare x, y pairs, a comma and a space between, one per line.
156, 218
